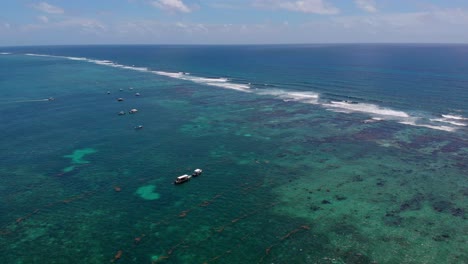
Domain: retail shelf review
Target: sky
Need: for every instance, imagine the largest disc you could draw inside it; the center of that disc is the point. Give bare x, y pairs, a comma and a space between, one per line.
68, 22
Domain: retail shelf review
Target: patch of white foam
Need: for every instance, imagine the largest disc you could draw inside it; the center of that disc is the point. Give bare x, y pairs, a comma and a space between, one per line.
375, 110
103, 62
77, 58
233, 86
372, 120
444, 120
218, 82
5, 53
295, 96
444, 128
457, 117
379, 113
456, 120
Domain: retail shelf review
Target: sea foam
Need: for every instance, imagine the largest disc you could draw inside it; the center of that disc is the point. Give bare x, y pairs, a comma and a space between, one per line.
447, 122
296, 96
444, 128
218, 82
456, 117
374, 110
452, 119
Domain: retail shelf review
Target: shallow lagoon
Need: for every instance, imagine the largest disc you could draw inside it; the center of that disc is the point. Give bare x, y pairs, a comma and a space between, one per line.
284, 181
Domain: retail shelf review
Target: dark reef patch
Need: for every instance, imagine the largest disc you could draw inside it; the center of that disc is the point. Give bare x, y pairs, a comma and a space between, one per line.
440, 238
351, 257
415, 203
392, 219
458, 212
442, 206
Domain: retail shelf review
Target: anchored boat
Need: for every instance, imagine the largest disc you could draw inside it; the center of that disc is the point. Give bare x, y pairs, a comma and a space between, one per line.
197, 172
182, 179
186, 177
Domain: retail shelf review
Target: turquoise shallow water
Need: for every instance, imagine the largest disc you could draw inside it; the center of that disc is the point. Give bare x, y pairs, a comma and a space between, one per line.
331, 160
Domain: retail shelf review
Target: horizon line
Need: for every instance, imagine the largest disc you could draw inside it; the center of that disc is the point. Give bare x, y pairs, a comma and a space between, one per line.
238, 44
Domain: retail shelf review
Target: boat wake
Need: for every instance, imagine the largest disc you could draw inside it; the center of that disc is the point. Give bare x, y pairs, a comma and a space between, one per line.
445, 122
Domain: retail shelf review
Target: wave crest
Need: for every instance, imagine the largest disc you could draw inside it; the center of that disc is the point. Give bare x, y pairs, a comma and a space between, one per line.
447, 122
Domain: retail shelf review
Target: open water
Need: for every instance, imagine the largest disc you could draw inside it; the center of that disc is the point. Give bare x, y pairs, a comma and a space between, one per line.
310, 154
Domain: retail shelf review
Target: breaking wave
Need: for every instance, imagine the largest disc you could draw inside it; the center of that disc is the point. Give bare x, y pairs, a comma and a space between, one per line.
445, 122
374, 110
218, 82
295, 96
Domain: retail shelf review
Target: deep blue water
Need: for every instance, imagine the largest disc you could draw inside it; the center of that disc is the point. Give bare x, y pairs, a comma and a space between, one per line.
311, 154
430, 78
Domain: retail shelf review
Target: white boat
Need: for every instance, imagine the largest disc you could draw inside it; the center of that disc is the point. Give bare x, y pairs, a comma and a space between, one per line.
197, 172
182, 179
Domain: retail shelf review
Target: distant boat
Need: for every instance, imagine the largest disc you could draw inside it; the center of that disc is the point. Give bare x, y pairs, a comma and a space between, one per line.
186, 177
182, 179
197, 172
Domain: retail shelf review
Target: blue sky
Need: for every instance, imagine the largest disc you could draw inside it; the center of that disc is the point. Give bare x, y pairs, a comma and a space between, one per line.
24, 22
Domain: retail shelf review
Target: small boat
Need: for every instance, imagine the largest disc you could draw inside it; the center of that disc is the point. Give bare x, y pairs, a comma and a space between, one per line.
120, 99
139, 127
133, 111
197, 172
121, 113
182, 179
137, 94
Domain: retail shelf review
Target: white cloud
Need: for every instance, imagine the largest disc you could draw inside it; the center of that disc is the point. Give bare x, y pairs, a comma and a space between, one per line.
172, 5
79, 24
427, 20
48, 8
305, 6
85, 24
43, 19
366, 5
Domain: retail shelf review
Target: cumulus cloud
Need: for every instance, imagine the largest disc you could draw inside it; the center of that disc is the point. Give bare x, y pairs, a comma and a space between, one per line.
43, 19
172, 5
366, 5
305, 6
84, 25
48, 8
428, 20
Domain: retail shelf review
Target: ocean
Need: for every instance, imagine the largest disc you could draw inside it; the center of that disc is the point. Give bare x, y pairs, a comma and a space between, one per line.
349, 153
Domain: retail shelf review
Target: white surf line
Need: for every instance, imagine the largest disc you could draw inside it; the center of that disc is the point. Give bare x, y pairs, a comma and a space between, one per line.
443, 120
218, 82
295, 96
456, 117
443, 128
371, 109
376, 112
